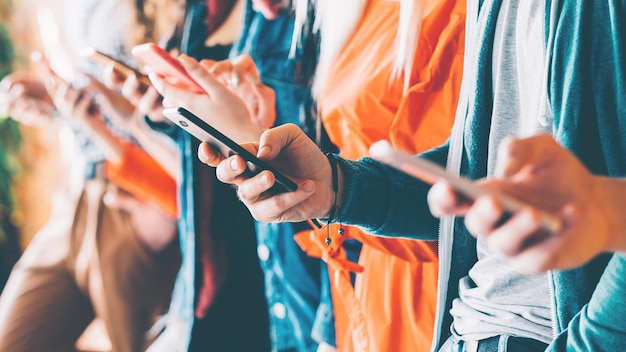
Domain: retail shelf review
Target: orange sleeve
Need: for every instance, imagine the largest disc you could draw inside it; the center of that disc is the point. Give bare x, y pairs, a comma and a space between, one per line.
143, 177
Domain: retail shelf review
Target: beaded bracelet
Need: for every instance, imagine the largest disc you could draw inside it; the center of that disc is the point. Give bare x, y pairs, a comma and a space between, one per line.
335, 209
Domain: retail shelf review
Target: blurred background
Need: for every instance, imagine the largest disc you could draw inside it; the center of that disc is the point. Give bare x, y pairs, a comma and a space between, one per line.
31, 163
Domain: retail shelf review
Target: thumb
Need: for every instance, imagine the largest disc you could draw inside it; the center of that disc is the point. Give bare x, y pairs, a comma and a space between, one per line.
515, 154
199, 74
276, 139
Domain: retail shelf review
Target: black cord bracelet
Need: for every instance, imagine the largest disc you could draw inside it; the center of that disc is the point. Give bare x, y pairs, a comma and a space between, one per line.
334, 211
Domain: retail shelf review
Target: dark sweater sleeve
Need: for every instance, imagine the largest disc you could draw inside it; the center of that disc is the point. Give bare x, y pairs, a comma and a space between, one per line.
387, 202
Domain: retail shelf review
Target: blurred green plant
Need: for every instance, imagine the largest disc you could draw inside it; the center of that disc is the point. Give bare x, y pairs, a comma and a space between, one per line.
10, 140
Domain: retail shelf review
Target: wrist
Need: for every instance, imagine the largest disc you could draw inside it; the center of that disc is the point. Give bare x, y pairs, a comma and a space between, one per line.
334, 198
612, 193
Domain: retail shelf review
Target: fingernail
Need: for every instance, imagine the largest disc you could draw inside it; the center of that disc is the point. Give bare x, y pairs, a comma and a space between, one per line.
213, 70
235, 80
265, 150
184, 59
308, 186
202, 155
264, 180
156, 81
234, 165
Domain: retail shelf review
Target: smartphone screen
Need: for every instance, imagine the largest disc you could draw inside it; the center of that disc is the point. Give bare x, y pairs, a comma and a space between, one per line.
430, 172
197, 127
166, 66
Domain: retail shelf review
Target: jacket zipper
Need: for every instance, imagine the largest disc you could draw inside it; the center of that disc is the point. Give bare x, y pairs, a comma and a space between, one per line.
453, 163
545, 115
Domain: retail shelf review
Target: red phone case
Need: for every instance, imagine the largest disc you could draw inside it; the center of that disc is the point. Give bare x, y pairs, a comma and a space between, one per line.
166, 66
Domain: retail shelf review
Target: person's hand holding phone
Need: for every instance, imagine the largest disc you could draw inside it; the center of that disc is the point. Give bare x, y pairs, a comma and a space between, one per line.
27, 99
219, 106
289, 149
76, 103
145, 98
541, 173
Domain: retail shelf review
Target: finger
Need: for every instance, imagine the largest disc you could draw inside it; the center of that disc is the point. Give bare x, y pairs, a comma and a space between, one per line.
64, 97
444, 201
172, 95
244, 64
151, 104
482, 217
221, 70
282, 207
209, 156
112, 77
245, 68
207, 81
218, 68
207, 64
521, 230
230, 170
16, 93
540, 258
84, 106
252, 188
265, 113
132, 90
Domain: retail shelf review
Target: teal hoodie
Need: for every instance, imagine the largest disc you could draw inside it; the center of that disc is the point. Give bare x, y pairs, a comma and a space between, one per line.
585, 100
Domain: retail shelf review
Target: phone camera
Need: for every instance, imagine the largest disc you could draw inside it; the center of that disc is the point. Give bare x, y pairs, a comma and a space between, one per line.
183, 123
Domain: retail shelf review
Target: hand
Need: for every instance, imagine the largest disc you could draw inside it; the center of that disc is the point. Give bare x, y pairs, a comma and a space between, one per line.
540, 172
155, 229
145, 98
219, 107
242, 77
28, 100
288, 149
114, 105
76, 103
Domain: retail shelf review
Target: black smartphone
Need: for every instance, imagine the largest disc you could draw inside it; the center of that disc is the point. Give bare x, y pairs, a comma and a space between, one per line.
198, 128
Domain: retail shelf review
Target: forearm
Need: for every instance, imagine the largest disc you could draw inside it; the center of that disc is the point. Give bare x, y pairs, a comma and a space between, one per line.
110, 144
167, 157
385, 201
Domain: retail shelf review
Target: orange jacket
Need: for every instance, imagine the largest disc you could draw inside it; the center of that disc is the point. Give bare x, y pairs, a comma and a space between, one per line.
140, 175
392, 305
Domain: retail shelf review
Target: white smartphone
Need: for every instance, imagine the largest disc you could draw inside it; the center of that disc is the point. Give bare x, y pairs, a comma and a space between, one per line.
430, 172
198, 128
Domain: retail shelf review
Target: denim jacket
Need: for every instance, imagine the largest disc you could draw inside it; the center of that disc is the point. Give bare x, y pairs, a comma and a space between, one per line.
239, 309
297, 286
585, 94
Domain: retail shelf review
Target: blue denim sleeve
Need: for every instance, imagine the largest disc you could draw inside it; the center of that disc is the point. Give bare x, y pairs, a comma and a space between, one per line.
599, 326
385, 201
324, 324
